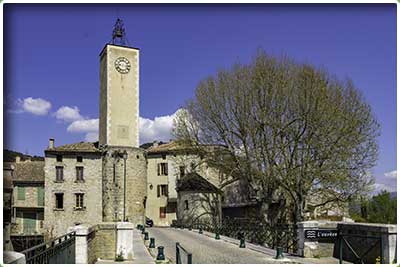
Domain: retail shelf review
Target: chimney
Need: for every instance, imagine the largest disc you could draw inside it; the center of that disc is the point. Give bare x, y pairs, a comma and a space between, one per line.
17, 159
51, 143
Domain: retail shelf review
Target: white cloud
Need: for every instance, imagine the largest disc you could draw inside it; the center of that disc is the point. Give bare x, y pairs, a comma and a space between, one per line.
158, 129
149, 130
92, 137
379, 187
392, 174
36, 106
84, 126
68, 114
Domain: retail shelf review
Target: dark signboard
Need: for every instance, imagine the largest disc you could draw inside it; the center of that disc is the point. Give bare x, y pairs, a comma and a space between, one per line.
320, 234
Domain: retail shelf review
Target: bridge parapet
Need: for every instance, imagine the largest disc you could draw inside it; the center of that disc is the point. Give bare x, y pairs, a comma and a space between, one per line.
347, 241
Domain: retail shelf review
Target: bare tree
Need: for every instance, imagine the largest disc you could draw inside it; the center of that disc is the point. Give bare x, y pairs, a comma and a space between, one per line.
289, 129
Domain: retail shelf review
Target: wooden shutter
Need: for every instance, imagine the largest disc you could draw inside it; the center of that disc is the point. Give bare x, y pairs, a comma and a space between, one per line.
40, 196
166, 190
162, 212
21, 193
158, 190
158, 169
166, 168
29, 222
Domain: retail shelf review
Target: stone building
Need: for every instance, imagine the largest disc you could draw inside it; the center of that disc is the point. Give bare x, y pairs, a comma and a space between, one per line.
167, 163
28, 198
105, 181
73, 186
198, 200
8, 170
27, 203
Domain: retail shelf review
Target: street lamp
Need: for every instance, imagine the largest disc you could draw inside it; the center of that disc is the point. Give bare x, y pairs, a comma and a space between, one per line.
124, 156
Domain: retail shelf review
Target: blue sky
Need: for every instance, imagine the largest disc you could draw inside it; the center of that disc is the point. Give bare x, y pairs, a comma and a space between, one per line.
52, 65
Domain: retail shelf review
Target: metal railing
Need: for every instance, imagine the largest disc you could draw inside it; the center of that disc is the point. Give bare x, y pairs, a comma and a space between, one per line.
23, 242
253, 231
59, 250
179, 250
344, 240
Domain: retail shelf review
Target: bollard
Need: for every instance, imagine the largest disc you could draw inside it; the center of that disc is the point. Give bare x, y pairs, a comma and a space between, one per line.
279, 253
152, 242
200, 230
242, 243
217, 236
160, 254
146, 236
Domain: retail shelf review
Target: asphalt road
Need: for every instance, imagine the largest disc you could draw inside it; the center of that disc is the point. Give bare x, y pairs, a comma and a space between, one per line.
203, 248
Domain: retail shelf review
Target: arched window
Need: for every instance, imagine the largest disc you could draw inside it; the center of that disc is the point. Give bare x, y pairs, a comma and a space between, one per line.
186, 204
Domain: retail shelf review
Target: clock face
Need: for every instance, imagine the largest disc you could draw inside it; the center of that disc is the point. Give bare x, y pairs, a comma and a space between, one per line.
122, 65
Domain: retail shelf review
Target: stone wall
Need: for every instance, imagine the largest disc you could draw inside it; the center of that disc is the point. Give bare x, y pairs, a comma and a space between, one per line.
315, 248
113, 185
201, 207
104, 245
103, 241
57, 221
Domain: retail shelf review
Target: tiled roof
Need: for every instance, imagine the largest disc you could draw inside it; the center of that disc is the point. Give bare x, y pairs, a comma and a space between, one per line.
174, 146
77, 147
29, 171
196, 183
164, 148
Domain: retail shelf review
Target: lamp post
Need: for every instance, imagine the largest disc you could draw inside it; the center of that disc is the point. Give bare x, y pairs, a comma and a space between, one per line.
125, 156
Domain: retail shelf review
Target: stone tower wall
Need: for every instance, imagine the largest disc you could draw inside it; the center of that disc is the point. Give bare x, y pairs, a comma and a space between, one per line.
119, 98
113, 185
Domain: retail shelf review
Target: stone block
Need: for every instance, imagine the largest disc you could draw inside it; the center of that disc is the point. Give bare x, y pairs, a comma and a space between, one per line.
12, 257
125, 240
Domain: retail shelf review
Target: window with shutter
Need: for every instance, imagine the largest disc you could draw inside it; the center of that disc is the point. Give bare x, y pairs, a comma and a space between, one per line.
40, 196
162, 169
21, 193
59, 173
158, 190
79, 174
29, 222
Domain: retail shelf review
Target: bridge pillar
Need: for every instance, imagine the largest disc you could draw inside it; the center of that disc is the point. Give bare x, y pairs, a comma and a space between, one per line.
125, 240
81, 244
12, 257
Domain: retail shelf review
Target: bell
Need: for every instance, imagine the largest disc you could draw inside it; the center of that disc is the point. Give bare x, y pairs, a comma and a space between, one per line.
118, 33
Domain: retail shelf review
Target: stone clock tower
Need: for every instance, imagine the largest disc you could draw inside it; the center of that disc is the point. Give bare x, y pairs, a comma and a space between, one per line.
119, 96
123, 162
